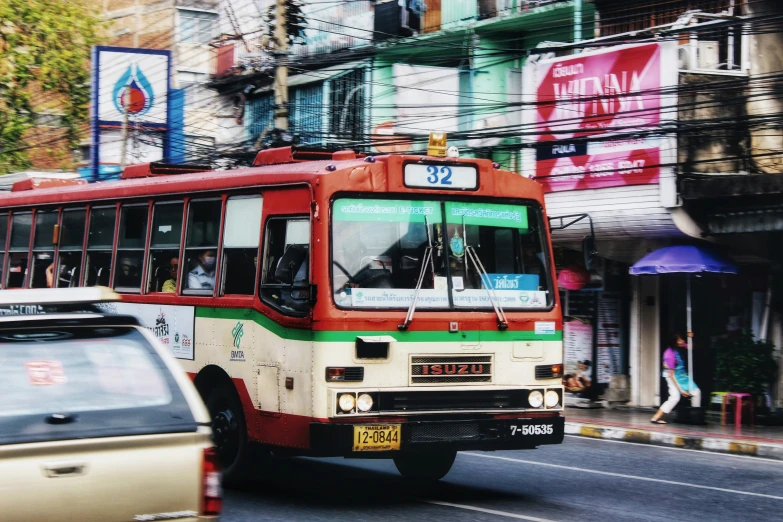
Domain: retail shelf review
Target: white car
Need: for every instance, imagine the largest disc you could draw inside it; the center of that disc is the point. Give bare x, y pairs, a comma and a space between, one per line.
97, 420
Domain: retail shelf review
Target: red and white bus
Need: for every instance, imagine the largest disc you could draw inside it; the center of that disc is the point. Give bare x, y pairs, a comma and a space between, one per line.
325, 304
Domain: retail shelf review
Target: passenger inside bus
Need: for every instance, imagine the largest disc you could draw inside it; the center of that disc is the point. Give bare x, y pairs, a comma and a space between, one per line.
170, 285
202, 277
41, 263
128, 274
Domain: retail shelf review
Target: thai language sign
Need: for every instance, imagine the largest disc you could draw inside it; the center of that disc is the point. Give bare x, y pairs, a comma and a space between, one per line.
388, 210
395, 211
598, 115
172, 325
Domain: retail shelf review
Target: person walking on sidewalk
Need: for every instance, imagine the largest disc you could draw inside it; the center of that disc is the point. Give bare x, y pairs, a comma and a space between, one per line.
680, 385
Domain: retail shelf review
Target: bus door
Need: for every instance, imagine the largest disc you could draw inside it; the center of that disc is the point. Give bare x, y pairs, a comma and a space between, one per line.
282, 350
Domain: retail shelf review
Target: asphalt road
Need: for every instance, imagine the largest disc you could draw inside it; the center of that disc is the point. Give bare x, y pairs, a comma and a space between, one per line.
581, 480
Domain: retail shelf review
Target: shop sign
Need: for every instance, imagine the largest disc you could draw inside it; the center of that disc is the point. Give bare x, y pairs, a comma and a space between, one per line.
592, 115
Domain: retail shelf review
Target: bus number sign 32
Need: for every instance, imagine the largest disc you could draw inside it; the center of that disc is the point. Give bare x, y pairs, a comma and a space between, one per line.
443, 177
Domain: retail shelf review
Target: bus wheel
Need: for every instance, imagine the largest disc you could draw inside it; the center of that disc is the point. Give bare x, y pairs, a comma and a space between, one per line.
229, 432
425, 466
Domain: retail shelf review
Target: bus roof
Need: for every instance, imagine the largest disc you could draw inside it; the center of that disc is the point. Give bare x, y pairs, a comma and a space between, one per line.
297, 172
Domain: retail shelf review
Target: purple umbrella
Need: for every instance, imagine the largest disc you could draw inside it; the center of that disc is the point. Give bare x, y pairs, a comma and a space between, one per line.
684, 259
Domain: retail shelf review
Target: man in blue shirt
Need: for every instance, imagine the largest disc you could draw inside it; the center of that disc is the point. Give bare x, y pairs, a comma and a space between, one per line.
203, 276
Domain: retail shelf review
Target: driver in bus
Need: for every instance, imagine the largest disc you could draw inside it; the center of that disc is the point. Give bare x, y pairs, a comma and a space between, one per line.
203, 276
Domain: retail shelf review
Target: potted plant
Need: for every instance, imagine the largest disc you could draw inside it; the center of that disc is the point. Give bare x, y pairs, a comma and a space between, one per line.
744, 364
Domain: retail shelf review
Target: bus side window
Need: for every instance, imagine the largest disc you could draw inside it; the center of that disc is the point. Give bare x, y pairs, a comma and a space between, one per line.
100, 242
130, 248
43, 249
201, 246
240, 245
3, 236
164, 246
285, 274
21, 227
69, 258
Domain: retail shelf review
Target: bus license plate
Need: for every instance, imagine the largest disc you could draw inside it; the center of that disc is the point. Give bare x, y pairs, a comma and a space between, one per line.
531, 429
384, 437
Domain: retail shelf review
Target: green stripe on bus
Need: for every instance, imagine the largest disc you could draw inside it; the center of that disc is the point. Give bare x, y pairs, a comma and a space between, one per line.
246, 314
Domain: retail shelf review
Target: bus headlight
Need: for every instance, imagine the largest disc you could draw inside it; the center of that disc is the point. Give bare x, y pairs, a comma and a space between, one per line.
364, 402
347, 401
551, 398
535, 399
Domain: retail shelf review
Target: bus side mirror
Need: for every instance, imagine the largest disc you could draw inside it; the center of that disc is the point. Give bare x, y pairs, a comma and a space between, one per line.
589, 251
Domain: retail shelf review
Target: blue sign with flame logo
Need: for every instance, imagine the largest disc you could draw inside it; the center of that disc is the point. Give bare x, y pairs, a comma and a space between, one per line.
133, 91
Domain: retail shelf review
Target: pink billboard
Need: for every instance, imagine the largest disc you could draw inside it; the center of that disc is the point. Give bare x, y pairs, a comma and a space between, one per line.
591, 112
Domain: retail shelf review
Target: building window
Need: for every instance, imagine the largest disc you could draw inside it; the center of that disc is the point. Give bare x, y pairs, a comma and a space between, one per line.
260, 115
346, 106
196, 92
199, 148
197, 26
306, 113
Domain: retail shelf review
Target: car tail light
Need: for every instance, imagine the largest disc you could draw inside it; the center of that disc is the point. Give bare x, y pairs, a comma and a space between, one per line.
212, 493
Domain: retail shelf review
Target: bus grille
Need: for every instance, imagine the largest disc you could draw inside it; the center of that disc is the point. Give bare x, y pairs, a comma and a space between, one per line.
444, 432
450, 369
413, 401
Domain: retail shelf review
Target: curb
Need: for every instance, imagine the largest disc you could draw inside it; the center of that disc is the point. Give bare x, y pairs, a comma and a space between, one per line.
655, 438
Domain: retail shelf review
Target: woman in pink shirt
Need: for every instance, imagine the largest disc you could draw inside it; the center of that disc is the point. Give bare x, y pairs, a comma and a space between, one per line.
680, 385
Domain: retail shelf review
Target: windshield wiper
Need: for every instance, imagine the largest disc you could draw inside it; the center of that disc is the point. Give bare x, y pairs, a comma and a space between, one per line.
427, 257
412, 307
471, 254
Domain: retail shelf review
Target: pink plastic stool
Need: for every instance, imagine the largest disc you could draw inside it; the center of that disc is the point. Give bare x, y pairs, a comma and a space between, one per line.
738, 412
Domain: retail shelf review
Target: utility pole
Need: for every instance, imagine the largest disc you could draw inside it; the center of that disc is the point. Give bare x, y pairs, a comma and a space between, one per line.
281, 73
124, 149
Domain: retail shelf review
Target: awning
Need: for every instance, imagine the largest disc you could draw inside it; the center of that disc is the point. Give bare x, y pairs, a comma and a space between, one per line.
319, 75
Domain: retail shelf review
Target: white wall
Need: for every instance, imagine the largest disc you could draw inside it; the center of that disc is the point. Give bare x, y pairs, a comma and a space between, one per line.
645, 365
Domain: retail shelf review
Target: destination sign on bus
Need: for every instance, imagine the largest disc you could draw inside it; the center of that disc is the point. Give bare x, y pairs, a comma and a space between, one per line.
439, 176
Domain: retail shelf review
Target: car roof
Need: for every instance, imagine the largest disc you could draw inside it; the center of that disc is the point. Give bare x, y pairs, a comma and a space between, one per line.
76, 318
57, 296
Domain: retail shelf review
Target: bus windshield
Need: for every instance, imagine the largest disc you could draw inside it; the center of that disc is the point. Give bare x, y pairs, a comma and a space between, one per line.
379, 247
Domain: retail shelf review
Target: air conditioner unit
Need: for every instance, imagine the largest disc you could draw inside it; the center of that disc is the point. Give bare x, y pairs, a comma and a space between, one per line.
684, 58
709, 55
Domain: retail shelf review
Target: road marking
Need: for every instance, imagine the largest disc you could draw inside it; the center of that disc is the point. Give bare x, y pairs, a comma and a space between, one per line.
488, 511
623, 475
704, 453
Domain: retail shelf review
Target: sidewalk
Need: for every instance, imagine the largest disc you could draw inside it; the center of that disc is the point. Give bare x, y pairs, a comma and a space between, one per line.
633, 425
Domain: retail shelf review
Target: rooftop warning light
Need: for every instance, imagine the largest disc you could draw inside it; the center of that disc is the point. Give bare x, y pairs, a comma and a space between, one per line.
437, 144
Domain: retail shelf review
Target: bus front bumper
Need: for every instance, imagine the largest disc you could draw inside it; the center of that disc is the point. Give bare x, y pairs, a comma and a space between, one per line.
339, 439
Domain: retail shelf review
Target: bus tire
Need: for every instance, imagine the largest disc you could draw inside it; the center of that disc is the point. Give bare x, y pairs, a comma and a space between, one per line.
428, 466
229, 433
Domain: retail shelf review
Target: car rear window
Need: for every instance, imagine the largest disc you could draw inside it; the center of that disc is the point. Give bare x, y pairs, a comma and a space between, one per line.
76, 382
